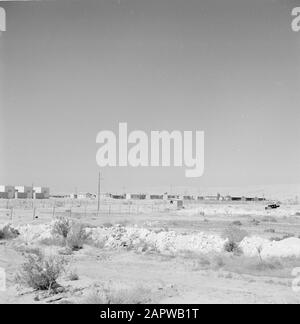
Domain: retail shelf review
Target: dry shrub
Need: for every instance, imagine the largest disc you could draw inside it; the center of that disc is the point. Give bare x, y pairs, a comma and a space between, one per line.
76, 237
112, 294
199, 261
8, 232
232, 247
72, 234
107, 225
234, 235
40, 272
270, 230
237, 223
62, 227
269, 219
73, 276
256, 267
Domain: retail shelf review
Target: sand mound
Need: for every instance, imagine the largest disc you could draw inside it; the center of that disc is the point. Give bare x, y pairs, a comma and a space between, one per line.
286, 248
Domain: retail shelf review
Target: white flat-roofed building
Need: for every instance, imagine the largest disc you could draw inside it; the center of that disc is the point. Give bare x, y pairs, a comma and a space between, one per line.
7, 192
23, 192
41, 193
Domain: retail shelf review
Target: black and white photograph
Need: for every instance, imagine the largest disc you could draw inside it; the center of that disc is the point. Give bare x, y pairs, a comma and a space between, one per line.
149, 154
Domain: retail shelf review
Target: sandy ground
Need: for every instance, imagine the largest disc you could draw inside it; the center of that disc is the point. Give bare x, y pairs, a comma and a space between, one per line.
169, 279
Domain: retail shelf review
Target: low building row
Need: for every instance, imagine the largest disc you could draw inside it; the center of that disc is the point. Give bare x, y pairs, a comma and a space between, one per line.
24, 192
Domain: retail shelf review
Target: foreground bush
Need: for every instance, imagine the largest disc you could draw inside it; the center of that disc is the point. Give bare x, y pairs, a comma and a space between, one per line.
8, 232
40, 272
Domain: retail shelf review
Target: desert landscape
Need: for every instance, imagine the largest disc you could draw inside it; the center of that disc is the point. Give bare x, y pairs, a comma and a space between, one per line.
63, 251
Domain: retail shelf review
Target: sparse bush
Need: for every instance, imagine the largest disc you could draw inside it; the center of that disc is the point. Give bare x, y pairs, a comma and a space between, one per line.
267, 265
8, 232
107, 225
73, 234
232, 247
40, 272
237, 223
120, 295
255, 222
269, 219
271, 230
76, 237
234, 235
62, 227
288, 235
73, 276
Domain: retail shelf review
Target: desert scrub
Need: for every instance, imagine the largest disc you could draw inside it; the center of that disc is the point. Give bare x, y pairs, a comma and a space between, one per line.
73, 276
69, 233
76, 237
41, 272
112, 294
62, 227
269, 219
234, 236
237, 223
8, 232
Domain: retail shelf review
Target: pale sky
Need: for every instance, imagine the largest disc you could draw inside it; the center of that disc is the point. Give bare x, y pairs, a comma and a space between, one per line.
73, 68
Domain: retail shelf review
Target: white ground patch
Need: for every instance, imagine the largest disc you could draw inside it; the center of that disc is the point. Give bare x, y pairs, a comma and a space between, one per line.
168, 241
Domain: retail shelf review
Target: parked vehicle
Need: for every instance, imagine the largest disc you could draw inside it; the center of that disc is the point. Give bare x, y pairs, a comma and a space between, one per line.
272, 206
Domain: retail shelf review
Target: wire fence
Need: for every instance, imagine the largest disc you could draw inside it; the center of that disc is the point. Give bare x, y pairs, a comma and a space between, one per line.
75, 207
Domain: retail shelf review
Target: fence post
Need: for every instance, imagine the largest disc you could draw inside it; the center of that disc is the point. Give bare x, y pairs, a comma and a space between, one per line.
11, 213
53, 212
33, 212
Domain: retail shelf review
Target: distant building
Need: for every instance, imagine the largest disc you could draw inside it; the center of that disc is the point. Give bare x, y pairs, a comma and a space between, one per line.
136, 196
86, 195
7, 192
211, 198
188, 197
60, 196
173, 197
156, 197
41, 193
23, 192
116, 196
236, 198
